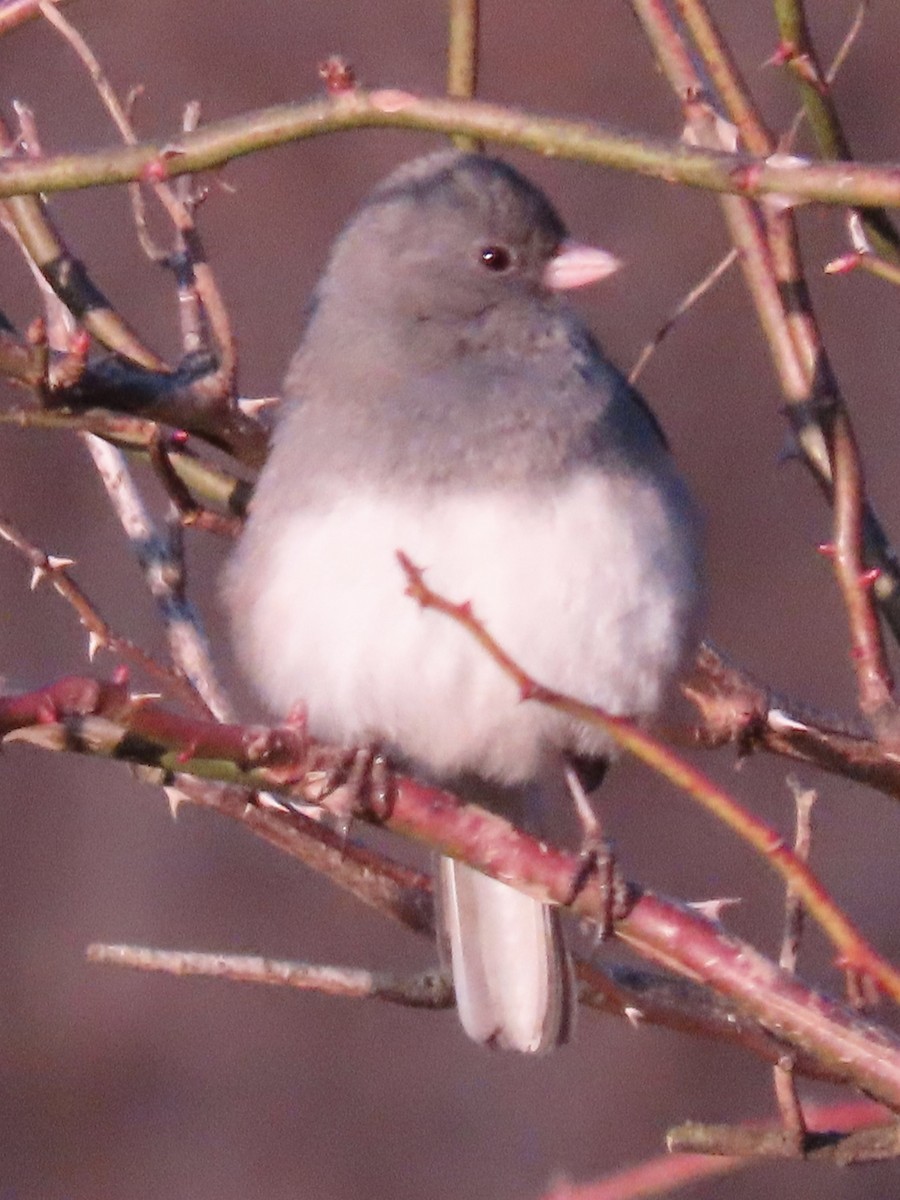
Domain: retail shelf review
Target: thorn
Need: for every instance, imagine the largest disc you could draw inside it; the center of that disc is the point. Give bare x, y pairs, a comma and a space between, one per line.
782, 722
784, 52
267, 800
96, 642
528, 689
634, 1015
465, 610
175, 799
787, 55
805, 68
56, 562
252, 406
713, 909
415, 586
827, 549
38, 575
868, 578
859, 239
120, 675
178, 438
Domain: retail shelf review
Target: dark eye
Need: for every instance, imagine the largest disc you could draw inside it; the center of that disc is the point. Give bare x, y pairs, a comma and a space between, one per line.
496, 258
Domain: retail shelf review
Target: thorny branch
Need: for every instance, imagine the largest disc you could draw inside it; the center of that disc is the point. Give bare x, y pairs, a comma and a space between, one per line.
56, 570
766, 238
86, 716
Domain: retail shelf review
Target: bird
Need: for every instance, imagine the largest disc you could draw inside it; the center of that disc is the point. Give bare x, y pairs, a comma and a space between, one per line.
447, 401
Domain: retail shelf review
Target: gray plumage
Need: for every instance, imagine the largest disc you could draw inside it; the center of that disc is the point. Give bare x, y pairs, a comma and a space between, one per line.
445, 402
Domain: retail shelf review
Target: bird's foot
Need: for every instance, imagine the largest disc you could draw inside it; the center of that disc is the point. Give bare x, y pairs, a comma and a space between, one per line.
359, 783
596, 860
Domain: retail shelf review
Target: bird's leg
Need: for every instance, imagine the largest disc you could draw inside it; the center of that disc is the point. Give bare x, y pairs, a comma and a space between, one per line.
597, 853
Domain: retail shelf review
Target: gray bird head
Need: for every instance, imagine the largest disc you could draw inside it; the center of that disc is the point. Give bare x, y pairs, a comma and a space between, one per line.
450, 236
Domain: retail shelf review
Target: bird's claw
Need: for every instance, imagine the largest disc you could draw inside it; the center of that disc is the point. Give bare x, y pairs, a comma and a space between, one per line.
359, 783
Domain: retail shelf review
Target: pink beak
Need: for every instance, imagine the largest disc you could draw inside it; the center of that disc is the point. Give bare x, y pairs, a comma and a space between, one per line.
575, 265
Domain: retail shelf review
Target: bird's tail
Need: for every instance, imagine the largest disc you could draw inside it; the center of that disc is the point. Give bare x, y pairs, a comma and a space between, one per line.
511, 970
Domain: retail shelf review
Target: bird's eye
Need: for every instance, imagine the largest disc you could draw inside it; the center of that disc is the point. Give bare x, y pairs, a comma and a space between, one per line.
495, 258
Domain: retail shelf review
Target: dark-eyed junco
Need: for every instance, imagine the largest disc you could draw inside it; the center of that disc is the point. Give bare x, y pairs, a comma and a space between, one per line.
445, 402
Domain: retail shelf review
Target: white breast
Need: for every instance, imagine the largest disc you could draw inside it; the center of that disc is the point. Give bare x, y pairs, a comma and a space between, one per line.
592, 589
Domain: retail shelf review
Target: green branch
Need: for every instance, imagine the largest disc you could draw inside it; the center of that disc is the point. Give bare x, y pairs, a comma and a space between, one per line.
587, 141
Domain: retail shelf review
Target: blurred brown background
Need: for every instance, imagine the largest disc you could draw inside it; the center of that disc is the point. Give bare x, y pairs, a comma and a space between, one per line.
118, 1085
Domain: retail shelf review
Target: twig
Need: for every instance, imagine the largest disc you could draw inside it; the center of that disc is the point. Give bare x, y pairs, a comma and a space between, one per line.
862, 256
54, 569
586, 141
194, 332
793, 1120
684, 305
189, 398
873, 1143
657, 1177
390, 888
873, 676
17, 12
135, 436
804, 798
840, 57
737, 710
798, 53
186, 508
430, 989
462, 59
724, 73
662, 1175
67, 276
118, 112
190, 251
643, 997
184, 630
773, 271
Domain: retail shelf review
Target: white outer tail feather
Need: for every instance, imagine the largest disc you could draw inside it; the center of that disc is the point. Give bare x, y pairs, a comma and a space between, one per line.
511, 970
